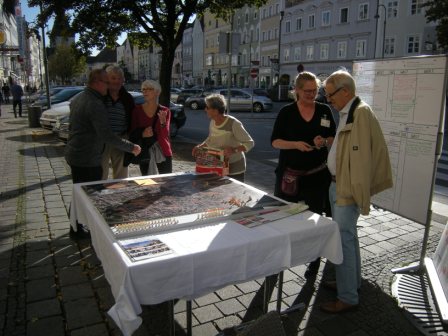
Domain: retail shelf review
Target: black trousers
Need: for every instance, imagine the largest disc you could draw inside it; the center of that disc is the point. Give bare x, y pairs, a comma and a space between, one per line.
14, 105
86, 174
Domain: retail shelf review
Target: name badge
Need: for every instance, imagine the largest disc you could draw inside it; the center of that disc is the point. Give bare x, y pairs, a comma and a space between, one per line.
324, 122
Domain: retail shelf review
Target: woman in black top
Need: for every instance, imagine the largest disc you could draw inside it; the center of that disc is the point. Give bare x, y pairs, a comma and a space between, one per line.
303, 131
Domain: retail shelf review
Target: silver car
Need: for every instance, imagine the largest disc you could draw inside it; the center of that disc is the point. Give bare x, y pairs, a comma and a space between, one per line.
241, 100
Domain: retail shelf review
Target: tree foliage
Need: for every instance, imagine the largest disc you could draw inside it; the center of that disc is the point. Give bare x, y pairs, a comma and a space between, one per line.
437, 11
65, 63
101, 22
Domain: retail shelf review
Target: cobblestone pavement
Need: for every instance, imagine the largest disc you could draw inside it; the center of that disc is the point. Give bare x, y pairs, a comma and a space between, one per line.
52, 285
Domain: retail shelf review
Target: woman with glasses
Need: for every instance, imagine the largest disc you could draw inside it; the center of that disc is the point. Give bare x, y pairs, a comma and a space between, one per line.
150, 121
302, 132
228, 134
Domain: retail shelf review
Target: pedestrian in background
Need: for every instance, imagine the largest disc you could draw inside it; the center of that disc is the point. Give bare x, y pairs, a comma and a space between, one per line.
226, 133
303, 131
119, 104
360, 167
17, 93
150, 123
5, 90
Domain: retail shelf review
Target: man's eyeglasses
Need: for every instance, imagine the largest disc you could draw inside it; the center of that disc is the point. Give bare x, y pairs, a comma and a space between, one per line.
329, 95
105, 82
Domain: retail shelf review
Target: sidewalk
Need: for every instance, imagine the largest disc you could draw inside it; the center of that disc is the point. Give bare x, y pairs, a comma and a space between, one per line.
52, 285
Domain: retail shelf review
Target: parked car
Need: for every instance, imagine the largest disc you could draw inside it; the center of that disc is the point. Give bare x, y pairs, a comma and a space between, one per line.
62, 122
49, 117
197, 101
241, 100
61, 96
185, 93
174, 94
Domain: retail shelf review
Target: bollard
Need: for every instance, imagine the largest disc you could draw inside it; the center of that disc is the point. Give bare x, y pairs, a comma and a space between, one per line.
34, 113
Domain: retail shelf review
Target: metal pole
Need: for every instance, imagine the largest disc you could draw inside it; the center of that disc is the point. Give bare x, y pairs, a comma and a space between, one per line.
384, 32
44, 52
229, 75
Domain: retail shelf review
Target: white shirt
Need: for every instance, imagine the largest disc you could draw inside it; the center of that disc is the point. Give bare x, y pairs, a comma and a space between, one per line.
343, 115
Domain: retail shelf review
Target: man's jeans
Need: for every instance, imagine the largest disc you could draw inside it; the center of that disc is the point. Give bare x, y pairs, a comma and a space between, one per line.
348, 274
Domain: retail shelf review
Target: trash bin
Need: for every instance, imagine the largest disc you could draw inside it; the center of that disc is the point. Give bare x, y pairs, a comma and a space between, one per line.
34, 113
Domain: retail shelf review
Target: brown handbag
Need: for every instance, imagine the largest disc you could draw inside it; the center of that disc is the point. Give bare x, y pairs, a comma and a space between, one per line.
291, 177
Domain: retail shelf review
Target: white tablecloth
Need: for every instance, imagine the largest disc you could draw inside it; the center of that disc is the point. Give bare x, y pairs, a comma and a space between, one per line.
206, 258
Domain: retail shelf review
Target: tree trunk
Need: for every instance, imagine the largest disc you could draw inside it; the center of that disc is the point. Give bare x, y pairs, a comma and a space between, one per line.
165, 75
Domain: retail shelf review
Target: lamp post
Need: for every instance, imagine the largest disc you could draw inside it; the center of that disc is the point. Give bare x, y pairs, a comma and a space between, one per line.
44, 52
282, 14
377, 16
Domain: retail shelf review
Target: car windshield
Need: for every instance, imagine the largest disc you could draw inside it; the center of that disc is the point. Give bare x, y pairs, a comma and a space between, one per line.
67, 93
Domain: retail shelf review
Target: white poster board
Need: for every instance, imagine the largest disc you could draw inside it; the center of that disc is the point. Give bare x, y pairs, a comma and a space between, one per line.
408, 97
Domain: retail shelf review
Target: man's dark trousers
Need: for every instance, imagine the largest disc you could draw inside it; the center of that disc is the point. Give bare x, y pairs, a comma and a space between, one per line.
14, 105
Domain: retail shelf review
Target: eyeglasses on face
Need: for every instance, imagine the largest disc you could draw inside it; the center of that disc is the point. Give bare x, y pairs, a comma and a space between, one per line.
329, 95
147, 89
104, 81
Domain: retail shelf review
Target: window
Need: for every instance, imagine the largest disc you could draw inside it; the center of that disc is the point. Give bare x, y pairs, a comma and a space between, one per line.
343, 17
286, 55
265, 13
269, 35
297, 52
413, 44
342, 49
325, 18
416, 6
255, 14
361, 48
324, 51
309, 52
270, 11
287, 26
298, 24
389, 46
311, 21
263, 36
247, 18
392, 9
363, 13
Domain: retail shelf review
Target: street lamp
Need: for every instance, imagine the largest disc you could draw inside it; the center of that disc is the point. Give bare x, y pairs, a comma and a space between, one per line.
377, 16
282, 14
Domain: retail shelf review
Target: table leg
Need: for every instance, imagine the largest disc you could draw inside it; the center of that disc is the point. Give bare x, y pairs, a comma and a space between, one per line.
189, 318
279, 291
269, 283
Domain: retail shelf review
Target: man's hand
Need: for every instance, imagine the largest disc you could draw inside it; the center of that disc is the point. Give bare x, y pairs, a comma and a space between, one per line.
136, 150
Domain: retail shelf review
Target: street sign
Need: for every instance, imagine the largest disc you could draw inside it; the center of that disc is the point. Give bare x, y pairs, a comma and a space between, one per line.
254, 72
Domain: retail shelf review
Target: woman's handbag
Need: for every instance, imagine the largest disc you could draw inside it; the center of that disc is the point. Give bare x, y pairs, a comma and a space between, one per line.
290, 181
291, 177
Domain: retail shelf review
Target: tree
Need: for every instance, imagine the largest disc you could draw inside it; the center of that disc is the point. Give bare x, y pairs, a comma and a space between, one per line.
65, 63
100, 22
437, 11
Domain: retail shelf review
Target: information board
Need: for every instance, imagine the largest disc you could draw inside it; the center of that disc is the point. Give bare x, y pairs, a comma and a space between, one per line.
408, 97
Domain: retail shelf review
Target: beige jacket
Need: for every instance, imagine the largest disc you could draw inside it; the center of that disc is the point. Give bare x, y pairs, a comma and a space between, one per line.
362, 160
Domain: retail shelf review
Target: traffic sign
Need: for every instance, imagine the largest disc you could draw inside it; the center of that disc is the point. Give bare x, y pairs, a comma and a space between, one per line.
254, 72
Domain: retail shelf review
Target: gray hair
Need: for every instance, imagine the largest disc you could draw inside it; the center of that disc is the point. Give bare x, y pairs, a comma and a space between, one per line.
149, 83
342, 78
216, 101
115, 69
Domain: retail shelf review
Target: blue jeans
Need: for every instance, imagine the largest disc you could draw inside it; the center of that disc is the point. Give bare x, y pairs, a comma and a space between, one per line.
348, 274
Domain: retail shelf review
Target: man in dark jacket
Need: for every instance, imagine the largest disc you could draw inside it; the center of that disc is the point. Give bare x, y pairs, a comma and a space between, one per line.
90, 130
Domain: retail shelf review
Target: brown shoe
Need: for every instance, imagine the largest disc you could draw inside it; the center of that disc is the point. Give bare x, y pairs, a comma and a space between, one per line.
331, 285
337, 307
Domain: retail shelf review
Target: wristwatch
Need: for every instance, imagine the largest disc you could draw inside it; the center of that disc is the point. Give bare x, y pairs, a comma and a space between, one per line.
326, 142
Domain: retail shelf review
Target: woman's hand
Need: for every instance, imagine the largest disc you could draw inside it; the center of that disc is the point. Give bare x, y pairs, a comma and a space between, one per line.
195, 150
147, 132
303, 146
319, 141
162, 116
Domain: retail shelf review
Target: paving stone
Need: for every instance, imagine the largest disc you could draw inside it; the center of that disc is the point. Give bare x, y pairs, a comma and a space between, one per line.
44, 308
72, 275
41, 289
94, 330
228, 307
81, 313
207, 313
52, 326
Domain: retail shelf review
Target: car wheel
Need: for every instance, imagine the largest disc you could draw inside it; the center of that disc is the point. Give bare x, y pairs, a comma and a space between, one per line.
194, 105
173, 130
258, 107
